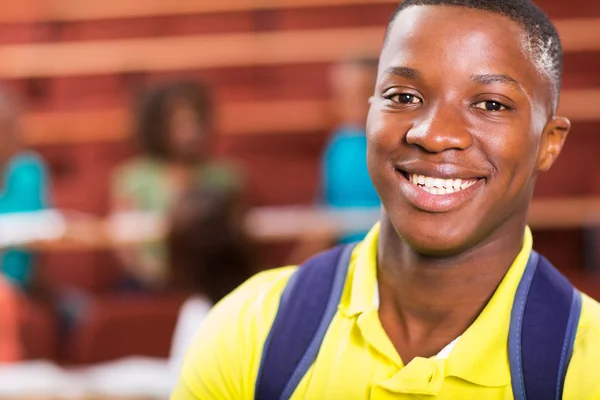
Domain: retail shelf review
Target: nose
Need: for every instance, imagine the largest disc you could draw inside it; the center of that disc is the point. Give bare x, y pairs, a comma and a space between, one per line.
443, 128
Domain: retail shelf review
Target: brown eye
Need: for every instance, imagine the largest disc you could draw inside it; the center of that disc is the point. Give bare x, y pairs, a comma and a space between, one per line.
491, 105
405, 98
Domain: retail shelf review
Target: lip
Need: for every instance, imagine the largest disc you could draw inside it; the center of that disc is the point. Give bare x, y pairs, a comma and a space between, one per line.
437, 203
443, 171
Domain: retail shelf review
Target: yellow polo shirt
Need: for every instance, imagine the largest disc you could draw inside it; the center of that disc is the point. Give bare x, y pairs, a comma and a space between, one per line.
358, 361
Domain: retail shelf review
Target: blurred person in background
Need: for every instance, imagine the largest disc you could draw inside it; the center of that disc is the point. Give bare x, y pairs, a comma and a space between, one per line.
174, 128
24, 187
346, 181
209, 255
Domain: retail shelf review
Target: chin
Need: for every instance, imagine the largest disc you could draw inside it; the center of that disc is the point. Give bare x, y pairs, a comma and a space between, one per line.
436, 238
436, 247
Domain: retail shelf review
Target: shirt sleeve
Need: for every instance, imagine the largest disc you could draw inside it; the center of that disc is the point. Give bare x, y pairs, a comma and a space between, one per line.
223, 362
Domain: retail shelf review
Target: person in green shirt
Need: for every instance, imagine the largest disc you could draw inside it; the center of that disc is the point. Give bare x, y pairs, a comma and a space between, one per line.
174, 126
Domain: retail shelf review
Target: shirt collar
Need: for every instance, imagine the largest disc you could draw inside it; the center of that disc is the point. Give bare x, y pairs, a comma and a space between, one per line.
478, 357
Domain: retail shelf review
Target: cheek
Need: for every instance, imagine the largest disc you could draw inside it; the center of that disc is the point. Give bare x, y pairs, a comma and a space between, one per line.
513, 153
380, 140
385, 133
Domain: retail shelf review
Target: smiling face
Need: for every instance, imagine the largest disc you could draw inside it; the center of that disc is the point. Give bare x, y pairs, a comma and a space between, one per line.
460, 124
189, 136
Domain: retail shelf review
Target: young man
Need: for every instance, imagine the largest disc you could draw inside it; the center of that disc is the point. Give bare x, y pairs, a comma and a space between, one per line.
461, 122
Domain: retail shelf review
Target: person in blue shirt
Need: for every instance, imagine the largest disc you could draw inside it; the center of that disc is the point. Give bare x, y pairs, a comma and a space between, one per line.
345, 178
23, 188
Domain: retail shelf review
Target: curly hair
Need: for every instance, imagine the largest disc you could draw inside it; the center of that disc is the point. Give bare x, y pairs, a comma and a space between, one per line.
153, 109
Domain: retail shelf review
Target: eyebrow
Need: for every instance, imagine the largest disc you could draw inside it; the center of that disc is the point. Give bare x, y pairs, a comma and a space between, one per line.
403, 72
490, 79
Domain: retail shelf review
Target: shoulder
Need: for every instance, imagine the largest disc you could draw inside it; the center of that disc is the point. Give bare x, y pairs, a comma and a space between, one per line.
345, 141
583, 377
223, 168
337, 139
133, 173
223, 361
254, 300
135, 165
27, 169
223, 174
28, 160
590, 315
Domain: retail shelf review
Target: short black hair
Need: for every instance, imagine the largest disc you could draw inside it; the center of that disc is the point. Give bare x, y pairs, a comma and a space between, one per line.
153, 110
543, 41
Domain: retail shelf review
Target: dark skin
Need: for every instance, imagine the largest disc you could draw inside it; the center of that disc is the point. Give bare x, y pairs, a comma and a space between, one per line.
457, 97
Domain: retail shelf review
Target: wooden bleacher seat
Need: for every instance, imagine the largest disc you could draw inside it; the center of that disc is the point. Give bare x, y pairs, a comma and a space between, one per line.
73, 10
116, 326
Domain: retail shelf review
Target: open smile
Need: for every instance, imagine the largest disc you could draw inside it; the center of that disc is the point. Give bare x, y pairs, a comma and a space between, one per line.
439, 186
435, 193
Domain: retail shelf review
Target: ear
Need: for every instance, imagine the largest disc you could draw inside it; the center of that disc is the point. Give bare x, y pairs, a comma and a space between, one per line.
552, 141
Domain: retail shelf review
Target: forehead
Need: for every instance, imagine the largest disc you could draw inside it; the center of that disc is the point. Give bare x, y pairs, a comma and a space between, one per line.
451, 40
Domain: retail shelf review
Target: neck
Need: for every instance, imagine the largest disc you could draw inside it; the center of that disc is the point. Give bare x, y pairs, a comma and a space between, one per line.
425, 302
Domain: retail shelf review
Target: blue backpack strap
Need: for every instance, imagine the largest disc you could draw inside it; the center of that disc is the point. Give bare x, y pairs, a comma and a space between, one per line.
307, 306
543, 325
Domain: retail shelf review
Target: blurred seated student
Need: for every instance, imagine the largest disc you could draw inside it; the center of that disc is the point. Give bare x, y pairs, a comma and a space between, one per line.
23, 187
209, 256
345, 180
174, 129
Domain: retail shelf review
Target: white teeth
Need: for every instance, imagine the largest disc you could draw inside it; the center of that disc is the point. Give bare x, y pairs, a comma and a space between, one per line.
440, 186
467, 184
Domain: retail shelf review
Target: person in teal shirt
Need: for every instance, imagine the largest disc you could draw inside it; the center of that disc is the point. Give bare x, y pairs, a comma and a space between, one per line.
346, 180
23, 188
